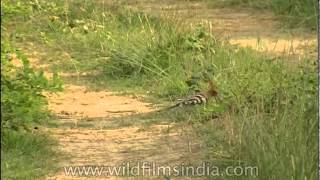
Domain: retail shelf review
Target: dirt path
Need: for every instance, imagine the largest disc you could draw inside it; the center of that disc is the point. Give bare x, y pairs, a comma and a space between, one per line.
102, 128
259, 30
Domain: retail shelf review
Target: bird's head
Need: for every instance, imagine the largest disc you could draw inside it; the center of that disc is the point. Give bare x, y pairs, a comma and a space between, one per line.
212, 89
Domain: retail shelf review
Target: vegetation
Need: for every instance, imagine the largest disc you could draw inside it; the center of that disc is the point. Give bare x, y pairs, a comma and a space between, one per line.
268, 113
25, 155
21, 88
294, 13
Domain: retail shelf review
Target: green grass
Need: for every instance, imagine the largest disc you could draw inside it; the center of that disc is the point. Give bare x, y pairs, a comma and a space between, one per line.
294, 13
27, 156
268, 113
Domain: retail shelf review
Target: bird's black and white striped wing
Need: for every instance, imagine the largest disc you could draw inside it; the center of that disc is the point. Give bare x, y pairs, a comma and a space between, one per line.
193, 100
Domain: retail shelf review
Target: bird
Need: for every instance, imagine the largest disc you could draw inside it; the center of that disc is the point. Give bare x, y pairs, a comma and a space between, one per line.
199, 98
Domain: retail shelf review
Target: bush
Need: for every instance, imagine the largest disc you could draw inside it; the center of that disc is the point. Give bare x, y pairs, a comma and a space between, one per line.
22, 100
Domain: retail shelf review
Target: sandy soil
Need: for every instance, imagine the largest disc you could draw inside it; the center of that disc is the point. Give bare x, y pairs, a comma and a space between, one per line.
81, 103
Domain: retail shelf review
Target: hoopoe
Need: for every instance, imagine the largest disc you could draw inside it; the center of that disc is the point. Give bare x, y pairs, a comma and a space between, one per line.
200, 98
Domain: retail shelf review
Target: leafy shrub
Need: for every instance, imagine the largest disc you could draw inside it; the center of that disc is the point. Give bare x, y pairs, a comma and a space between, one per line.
22, 101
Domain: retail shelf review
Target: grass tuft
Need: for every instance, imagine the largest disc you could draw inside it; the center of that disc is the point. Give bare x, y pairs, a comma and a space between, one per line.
26, 156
